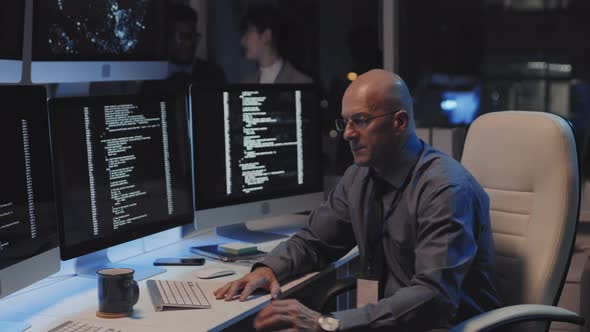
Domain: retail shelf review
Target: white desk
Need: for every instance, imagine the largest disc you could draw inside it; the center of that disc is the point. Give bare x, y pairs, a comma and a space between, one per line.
75, 298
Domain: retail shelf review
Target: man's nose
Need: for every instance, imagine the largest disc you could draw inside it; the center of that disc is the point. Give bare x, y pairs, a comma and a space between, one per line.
349, 132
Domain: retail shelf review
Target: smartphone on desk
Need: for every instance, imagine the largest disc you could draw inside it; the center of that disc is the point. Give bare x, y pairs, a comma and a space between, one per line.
192, 261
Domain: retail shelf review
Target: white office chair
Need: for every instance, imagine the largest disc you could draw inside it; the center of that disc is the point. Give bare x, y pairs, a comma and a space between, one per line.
527, 163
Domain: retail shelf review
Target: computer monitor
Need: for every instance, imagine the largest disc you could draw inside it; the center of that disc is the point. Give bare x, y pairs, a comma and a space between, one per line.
28, 228
11, 38
108, 40
442, 106
257, 154
461, 107
122, 171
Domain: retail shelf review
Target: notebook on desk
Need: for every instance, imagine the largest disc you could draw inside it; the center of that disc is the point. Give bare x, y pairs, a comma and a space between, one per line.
212, 251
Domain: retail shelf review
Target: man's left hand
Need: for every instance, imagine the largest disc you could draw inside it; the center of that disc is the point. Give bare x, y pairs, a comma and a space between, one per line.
287, 315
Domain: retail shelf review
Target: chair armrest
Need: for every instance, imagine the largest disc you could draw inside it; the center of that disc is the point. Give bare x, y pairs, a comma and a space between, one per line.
517, 313
340, 286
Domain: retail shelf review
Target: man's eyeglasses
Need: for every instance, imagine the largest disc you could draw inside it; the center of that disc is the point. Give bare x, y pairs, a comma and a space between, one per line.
185, 36
357, 122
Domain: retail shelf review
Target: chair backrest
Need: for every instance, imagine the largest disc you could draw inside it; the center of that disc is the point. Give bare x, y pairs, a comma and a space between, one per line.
527, 163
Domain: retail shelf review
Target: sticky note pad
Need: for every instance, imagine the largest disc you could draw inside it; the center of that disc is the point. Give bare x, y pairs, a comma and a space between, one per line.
237, 248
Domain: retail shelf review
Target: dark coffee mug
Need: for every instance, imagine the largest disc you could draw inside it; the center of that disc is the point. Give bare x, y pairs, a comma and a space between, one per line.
117, 292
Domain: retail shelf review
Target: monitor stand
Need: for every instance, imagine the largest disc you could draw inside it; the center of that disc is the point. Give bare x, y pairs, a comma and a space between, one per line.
241, 232
14, 326
87, 265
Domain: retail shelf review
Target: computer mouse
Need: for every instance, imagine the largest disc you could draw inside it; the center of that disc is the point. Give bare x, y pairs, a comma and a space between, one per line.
214, 272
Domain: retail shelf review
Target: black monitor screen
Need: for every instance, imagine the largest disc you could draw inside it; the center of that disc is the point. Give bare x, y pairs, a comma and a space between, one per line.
27, 208
255, 142
99, 30
122, 166
11, 35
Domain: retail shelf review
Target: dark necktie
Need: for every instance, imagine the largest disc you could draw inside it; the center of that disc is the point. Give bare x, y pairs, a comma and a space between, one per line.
374, 263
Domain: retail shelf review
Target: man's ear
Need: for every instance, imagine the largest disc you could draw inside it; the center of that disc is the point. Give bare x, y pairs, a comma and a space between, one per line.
267, 36
401, 121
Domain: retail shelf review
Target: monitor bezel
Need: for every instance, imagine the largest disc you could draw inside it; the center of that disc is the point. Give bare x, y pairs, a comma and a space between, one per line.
77, 250
96, 71
263, 206
262, 209
11, 71
28, 271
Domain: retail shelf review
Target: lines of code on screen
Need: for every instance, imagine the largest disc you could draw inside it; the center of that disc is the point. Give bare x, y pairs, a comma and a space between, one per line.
266, 140
27, 214
118, 167
254, 142
17, 204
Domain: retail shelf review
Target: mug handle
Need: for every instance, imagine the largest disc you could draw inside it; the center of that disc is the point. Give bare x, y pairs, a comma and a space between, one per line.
135, 291
133, 283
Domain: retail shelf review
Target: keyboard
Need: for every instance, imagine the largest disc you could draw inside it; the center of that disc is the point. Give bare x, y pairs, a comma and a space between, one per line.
73, 326
177, 294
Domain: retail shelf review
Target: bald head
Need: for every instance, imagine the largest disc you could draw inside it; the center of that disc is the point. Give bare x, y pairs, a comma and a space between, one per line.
377, 110
382, 90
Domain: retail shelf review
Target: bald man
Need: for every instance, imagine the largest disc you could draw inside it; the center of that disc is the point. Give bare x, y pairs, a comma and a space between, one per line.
420, 220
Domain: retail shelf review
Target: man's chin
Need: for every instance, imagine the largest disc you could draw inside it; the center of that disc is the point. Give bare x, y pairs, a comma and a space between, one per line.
361, 161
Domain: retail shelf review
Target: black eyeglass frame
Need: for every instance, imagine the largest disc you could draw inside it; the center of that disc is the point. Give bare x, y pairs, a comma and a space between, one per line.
357, 122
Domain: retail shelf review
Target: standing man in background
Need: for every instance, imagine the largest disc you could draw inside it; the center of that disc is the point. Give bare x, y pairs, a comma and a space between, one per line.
184, 67
183, 42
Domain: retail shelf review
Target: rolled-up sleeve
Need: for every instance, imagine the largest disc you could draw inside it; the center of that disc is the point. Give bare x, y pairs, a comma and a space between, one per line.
445, 247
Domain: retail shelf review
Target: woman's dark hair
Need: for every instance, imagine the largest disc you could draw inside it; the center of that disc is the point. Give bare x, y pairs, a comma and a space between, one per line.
262, 17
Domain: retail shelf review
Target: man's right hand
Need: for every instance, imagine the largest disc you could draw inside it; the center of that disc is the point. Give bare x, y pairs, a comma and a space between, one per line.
262, 277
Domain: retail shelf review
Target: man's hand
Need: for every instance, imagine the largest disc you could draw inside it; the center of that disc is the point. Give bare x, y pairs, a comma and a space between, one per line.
262, 277
287, 315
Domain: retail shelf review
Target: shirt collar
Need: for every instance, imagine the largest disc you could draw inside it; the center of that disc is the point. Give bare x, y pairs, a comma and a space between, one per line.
396, 173
269, 74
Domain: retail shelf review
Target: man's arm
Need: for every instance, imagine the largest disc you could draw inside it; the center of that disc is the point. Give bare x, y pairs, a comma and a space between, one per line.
327, 236
445, 248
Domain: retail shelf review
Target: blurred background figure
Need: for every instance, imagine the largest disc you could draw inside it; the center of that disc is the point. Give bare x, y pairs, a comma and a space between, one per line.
261, 30
183, 42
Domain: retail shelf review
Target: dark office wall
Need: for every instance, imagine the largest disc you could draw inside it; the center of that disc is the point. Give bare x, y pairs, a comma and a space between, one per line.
337, 19
440, 37
462, 36
510, 48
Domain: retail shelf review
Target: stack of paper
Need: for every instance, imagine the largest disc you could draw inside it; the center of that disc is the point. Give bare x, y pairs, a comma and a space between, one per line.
237, 248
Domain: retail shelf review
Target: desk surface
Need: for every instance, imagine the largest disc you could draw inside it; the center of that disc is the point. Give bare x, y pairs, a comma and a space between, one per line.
75, 298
